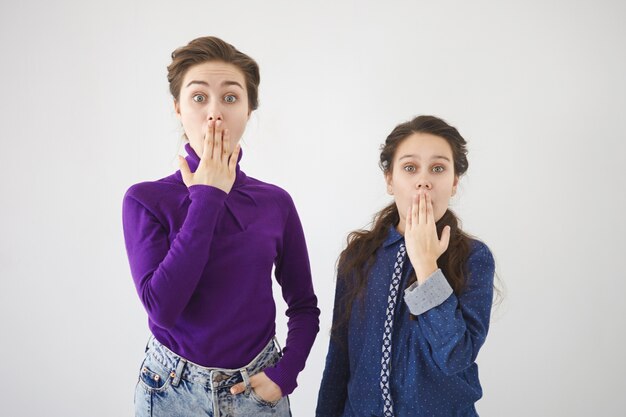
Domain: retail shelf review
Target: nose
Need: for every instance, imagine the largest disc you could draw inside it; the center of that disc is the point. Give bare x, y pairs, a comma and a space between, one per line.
215, 112
423, 184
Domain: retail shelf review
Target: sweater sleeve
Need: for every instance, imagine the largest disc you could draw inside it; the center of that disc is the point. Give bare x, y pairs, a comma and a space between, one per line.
457, 328
293, 273
166, 274
333, 391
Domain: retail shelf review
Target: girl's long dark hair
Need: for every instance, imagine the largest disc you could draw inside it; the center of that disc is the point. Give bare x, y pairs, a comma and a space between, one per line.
357, 258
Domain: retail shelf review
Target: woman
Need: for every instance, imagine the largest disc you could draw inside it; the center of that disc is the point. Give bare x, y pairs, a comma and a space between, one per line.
202, 243
415, 355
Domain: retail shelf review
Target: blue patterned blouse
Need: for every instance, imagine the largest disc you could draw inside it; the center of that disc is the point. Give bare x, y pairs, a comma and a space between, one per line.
432, 366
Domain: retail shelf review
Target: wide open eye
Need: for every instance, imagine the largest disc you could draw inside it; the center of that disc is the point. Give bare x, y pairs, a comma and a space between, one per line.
230, 98
438, 169
409, 168
198, 98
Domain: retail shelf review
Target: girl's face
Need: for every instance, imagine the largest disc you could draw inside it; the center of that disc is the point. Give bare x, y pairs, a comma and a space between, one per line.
216, 91
422, 163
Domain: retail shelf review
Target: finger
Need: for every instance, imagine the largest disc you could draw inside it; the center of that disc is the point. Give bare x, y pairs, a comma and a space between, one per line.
422, 209
414, 208
445, 239
430, 216
409, 216
207, 152
185, 172
217, 146
238, 388
234, 158
225, 146
257, 377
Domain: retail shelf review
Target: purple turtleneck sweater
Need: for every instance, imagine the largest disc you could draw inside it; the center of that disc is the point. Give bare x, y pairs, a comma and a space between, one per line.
202, 262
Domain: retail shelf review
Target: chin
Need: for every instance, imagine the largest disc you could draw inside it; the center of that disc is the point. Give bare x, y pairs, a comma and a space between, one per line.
437, 218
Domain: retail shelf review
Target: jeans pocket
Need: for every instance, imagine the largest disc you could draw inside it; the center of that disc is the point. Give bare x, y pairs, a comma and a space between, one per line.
152, 376
256, 398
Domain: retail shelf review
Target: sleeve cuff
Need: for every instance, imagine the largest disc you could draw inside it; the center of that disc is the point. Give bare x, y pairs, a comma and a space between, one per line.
287, 384
433, 292
198, 191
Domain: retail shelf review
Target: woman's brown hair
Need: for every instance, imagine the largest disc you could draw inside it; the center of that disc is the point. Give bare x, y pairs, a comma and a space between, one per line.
358, 257
207, 49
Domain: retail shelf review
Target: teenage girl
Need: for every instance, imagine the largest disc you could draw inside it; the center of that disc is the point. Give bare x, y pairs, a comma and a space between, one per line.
414, 293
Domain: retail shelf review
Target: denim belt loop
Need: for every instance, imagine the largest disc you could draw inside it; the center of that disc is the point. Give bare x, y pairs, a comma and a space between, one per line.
280, 350
214, 396
246, 379
178, 373
148, 344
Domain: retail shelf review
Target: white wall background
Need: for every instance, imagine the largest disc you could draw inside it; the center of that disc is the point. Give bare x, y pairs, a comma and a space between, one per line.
537, 87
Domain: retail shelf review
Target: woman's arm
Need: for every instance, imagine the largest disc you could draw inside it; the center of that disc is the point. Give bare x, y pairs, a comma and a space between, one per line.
166, 275
293, 273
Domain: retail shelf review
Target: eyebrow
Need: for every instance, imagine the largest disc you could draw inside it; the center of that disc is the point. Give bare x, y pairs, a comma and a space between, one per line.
224, 83
417, 157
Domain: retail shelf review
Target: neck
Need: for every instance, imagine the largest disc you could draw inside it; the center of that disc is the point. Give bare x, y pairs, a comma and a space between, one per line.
400, 227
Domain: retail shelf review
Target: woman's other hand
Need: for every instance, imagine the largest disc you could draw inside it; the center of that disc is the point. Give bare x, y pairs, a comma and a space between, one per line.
263, 387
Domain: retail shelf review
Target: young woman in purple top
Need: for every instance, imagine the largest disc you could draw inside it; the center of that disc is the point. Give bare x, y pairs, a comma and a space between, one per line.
202, 244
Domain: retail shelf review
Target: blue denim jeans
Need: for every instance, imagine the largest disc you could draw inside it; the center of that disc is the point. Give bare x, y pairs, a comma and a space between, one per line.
171, 386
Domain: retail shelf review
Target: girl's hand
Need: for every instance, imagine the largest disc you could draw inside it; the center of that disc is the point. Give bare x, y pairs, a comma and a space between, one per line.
218, 162
263, 387
422, 244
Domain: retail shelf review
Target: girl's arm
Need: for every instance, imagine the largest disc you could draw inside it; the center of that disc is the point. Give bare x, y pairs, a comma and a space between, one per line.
165, 274
455, 327
334, 387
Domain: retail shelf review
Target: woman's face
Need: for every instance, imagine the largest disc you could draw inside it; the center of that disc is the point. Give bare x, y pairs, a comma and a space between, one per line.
422, 163
216, 91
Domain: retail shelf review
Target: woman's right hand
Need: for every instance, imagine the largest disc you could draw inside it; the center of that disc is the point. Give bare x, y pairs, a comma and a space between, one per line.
423, 246
218, 162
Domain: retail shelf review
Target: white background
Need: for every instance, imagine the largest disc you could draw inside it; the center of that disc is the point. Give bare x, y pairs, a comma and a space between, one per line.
538, 88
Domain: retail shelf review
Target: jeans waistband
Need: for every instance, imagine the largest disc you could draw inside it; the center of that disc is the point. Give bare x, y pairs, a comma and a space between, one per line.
213, 378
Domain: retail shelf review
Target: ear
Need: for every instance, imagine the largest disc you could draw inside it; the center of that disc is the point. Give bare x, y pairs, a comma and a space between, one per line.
455, 185
177, 108
389, 181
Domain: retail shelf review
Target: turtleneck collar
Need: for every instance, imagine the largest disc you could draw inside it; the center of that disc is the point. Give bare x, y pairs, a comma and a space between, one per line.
193, 160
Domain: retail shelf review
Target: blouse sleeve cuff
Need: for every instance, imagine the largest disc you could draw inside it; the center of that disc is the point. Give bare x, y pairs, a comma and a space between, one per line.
433, 292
